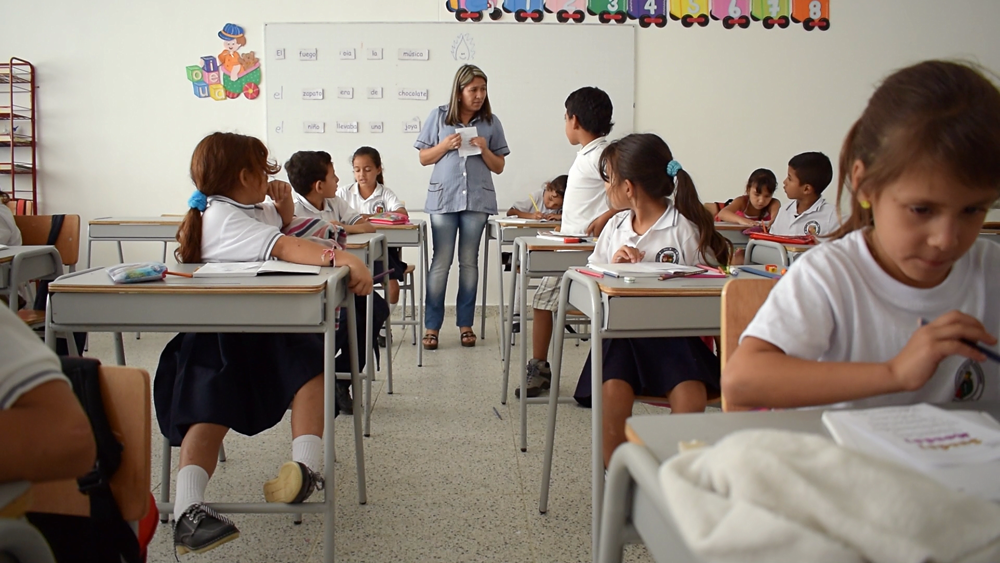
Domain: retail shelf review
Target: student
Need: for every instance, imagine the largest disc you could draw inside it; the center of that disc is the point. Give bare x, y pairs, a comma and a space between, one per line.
664, 221
206, 384
585, 209
9, 233
315, 183
922, 166
545, 203
807, 213
757, 206
369, 195
44, 433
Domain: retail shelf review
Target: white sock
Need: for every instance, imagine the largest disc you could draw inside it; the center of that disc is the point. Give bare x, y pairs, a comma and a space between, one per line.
308, 449
392, 308
191, 483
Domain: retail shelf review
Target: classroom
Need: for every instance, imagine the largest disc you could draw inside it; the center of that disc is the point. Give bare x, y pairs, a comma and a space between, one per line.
442, 459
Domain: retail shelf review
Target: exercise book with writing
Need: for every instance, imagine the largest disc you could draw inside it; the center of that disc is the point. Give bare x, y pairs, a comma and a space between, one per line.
251, 269
644, 269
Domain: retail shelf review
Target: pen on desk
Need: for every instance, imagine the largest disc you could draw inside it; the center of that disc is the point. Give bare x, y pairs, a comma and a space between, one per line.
758, 272
589, 272
711, 268
984, 350
181, 274
533, 203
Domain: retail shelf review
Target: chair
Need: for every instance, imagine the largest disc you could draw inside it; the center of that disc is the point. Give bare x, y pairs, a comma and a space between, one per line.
126, 395
35, 232
766, 252
409, 287
740, 301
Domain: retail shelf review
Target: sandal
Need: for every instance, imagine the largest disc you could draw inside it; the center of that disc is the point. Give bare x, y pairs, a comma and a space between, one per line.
468, 339
430, 341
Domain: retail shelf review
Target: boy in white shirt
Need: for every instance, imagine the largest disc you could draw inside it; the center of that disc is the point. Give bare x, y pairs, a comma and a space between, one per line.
585, 210
312, 176
807, 213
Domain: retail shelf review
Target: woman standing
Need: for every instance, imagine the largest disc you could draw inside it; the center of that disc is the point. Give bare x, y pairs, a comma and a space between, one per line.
460, 197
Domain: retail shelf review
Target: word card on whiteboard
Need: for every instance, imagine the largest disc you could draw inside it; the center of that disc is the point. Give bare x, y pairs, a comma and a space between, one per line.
376, 83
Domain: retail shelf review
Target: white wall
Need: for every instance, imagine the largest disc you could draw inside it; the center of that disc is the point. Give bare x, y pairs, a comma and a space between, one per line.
118, 121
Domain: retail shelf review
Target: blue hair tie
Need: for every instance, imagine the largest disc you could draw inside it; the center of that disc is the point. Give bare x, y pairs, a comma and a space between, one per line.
198, 201
673, 167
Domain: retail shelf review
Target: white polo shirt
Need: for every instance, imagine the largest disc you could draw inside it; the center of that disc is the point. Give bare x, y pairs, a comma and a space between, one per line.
237, 232
838, 305
381, 200
25, 362
584, 200
673, 238
334, 209
819, 220
9, 233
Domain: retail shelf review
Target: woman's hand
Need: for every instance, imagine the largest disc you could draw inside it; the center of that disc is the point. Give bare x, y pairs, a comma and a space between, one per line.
918, 360
451, 142
628, 254
481, 143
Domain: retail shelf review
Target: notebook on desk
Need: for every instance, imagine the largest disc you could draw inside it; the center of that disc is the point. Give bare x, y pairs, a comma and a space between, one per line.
251, 269
644, 269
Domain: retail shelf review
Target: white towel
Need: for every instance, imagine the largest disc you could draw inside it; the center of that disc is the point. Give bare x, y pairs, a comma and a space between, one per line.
774, 496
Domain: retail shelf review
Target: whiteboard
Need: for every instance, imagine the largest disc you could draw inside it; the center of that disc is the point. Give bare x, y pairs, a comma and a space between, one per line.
531, 70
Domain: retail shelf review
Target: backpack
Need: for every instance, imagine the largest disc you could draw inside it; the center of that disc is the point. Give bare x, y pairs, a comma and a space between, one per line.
104, 537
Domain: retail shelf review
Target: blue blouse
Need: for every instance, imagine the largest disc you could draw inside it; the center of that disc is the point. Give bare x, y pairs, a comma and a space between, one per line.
461, 183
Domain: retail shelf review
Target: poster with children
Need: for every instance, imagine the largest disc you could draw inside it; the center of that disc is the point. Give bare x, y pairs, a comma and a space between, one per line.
229, 75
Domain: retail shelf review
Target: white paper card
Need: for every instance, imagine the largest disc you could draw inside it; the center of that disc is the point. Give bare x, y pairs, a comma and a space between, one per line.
312, 94
374, 53
308, 54
347, 127
376, 127
375, 93
412, 94
414, 54
279, 54
345, 93
412, 126
467, 148
314, 127
348, 54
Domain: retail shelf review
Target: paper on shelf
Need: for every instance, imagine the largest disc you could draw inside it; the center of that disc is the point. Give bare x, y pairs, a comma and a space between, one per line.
467, 148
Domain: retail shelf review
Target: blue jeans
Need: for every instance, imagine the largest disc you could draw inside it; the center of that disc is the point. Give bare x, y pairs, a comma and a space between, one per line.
468, 226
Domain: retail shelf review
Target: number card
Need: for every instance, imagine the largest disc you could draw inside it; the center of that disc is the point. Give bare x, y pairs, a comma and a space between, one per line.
812, 14
771, 12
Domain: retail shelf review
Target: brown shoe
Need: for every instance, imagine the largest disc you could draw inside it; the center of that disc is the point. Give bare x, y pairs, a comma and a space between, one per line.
468, 339
430, 341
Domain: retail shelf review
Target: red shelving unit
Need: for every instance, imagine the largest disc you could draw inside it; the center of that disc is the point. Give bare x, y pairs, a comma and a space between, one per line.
18, 131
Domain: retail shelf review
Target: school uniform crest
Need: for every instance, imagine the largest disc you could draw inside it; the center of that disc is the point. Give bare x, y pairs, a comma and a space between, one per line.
812, 228
668, 255
378, 206
970, 381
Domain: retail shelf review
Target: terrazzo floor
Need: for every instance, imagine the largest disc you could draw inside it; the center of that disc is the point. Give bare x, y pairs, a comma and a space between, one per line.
446, 479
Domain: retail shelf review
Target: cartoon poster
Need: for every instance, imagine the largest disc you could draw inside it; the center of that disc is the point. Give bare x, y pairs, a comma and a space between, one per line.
229, 75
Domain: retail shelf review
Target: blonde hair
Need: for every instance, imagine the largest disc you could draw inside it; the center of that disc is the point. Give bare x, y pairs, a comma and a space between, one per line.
463, 77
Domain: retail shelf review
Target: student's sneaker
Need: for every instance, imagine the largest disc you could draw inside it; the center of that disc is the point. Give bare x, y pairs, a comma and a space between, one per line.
506, 259
539, 378
343, 395
200, 529
516, 328
294, 483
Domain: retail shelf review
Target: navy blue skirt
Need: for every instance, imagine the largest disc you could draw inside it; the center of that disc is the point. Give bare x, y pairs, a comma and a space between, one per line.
654, 366
244, 381
396, 263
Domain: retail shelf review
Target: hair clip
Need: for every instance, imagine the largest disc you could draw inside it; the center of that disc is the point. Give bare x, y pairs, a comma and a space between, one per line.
865, 204
198, 201
673, 167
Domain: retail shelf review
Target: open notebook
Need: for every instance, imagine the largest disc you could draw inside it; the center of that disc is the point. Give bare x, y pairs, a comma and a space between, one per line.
644, 269
250, 269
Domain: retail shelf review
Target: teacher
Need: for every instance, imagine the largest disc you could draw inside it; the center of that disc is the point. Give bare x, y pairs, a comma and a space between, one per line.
460, 197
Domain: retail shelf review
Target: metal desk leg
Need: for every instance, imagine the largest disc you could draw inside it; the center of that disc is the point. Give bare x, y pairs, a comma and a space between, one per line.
119, 349
506, 332
419, 296
596, 417
89, 252
556, 364
369, 362
522, 277
165, 479
388, 320
504, 349
486, 277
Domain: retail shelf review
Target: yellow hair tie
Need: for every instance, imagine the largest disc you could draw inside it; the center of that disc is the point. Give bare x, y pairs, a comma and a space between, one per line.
865, 204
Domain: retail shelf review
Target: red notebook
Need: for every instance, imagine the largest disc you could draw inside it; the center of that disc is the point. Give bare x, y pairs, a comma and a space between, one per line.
805, 239
389, 218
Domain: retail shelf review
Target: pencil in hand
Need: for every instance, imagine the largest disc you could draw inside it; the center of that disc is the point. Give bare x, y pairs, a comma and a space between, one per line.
534, 203
982, 349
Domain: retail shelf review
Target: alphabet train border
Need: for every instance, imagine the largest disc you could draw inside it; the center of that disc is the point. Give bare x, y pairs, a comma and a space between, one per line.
811, 14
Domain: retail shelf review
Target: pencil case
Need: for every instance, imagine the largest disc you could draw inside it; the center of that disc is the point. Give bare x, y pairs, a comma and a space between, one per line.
137, 273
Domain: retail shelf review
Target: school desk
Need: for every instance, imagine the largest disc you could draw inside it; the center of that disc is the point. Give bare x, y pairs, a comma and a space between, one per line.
141, 229
413, 235
644, 309
504, 230
733, 232
21, 264
372, 247
534, 258
634, 506
88, 301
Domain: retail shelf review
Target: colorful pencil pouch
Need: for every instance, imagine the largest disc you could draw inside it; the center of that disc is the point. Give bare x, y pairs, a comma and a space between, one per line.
137, 273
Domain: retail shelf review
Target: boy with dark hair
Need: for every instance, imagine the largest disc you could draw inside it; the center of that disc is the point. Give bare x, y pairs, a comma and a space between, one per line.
585, 210
312, 177
807, 213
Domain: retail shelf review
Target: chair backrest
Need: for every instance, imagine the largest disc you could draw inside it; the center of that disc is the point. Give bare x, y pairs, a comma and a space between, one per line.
766, 252
125, 392
35, 231
740, 301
